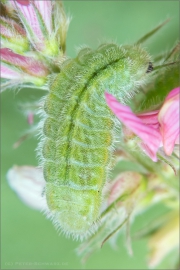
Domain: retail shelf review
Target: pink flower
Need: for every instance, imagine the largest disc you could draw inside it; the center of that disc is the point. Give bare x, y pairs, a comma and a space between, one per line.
33, 43
156, 128
45, 26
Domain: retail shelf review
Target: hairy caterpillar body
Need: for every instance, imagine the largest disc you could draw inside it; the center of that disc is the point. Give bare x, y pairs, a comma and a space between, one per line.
79, 131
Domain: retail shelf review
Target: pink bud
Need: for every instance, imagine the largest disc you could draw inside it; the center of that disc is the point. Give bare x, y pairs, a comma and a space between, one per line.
124, 182
15, 66
30, 118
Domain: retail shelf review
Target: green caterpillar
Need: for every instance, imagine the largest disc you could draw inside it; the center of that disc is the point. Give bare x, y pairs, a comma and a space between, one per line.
80, 132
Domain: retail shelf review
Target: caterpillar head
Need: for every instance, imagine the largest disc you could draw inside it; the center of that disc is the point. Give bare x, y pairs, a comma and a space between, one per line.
139, 60
131, 70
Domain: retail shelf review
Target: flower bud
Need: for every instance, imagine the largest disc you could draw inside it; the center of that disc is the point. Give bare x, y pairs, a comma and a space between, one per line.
37, 19
13, 36
22, 68
28, 183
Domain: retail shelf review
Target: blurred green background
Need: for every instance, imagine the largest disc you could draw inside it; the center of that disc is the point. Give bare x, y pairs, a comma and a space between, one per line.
28, 239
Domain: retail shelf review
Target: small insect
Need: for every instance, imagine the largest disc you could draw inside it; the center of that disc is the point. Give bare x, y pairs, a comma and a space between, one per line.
80, 132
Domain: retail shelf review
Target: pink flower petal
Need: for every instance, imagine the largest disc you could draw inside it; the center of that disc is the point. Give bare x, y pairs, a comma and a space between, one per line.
169, 120
148, 134
45, 9
9, 73
28, 183
149, 118
36, 17
175, 92
148, 151
23, 2
28, 14
177, 139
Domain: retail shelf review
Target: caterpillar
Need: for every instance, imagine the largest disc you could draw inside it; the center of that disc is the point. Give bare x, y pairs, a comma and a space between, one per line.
80, 132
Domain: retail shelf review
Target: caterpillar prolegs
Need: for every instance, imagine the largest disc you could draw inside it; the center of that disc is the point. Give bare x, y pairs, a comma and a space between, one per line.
80, 131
